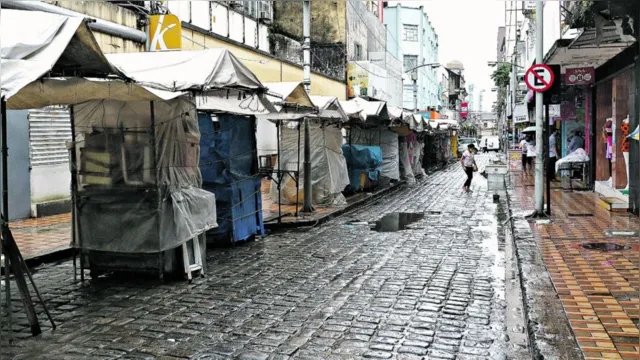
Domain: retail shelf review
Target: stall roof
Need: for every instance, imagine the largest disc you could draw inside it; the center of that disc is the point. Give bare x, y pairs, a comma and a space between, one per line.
396, 112
35, 44
329, 107
290, 93
587, 48
366, 110
201, 70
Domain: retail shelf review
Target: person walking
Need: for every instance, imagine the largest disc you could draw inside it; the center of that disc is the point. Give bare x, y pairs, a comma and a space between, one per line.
553, 155
526, 161
469, 165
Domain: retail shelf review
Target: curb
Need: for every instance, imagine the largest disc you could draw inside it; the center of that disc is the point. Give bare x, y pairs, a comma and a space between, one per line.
550, 334
310, 223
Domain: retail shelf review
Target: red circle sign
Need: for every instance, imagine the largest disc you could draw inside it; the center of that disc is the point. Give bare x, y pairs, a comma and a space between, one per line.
539, 78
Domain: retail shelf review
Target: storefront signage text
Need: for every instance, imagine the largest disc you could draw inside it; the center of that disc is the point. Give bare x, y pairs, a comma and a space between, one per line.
580, 76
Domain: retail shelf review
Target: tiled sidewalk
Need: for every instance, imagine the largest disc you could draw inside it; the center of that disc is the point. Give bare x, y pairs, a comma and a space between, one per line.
42, 236
599, 289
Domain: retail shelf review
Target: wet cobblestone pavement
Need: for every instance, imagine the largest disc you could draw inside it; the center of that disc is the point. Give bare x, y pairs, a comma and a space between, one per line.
339, 291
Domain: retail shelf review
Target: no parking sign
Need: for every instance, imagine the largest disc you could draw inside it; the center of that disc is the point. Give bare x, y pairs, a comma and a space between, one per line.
539, 78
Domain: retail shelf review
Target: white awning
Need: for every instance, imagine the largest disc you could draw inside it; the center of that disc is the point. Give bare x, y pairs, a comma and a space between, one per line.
36, 43
290, 101
187, 70
366, 110
329, 108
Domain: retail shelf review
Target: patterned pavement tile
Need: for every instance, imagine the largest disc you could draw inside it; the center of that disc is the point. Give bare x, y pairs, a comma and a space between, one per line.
599, 289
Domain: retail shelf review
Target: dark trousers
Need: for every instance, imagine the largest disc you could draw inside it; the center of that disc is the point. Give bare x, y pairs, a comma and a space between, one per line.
469, 171
551, 168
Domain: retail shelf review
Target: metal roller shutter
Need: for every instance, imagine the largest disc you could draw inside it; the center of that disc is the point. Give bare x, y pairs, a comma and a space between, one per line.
49, 130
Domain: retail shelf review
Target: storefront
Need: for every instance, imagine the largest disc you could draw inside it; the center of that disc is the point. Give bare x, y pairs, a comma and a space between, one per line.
614, 118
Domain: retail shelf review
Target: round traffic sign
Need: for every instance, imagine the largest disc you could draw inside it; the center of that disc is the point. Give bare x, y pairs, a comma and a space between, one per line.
539, 78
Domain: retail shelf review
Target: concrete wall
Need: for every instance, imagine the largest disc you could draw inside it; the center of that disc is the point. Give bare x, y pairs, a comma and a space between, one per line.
108, 12
222, 20
328, 20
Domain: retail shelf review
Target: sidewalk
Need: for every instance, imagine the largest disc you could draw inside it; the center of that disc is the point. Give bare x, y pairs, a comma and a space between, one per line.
596, 276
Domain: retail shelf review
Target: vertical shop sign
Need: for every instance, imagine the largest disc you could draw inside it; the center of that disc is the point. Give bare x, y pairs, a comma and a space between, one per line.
464, 110
579, 76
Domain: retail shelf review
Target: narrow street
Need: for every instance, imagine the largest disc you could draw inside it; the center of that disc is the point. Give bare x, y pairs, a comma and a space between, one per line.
341, 290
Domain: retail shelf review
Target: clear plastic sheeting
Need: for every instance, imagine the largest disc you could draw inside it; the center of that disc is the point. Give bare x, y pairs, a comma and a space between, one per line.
329, 175
139, 189
388, 142
578, 156
405, 163
416, 150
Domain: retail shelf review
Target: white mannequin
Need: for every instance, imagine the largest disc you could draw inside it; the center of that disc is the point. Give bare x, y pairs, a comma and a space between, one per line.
626, 155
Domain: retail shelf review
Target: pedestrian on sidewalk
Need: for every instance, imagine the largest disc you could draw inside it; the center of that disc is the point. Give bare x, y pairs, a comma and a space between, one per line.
469, 165
526, 160
553, 155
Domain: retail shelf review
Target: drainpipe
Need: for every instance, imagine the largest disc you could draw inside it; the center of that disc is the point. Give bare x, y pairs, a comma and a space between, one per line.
102, 26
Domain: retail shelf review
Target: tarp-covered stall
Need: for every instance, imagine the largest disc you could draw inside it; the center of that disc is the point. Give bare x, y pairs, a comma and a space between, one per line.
329, 175
228, 96
370, 125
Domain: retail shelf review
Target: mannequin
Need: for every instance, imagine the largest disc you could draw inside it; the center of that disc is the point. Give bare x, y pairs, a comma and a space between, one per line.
624, 128
608, 138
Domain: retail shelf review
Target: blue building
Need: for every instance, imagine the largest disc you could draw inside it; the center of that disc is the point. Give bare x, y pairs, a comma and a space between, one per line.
412, 38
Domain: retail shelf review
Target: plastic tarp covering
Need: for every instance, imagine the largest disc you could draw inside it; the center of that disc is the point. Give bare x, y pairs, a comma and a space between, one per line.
139, 190
228, 163
35, 43
388, 142
329, 175
361, 158
405, 163
417, 153
578, 156
186, 70
290, 93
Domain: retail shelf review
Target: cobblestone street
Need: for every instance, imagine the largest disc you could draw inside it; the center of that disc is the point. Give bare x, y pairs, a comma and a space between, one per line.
336, 291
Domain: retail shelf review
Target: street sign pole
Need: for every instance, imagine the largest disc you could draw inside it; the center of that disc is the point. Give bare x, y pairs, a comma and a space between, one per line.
539, 176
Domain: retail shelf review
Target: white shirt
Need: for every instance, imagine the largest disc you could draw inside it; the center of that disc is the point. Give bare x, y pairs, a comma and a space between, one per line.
552, 146
467, 159
523, 146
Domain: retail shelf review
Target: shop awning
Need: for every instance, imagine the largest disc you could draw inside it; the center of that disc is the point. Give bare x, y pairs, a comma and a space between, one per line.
35, 44
588, 48
529, 129
199, 70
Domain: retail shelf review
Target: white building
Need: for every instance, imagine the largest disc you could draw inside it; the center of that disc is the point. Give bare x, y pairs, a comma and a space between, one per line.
414, 40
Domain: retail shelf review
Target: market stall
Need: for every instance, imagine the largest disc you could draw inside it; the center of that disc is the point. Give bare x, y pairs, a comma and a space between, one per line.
328, 167
227, 98
371, 125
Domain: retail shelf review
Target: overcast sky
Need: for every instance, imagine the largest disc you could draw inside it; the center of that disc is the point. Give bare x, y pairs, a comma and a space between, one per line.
468, 32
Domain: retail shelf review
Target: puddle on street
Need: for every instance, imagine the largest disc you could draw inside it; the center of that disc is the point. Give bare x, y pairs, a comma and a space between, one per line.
605, 247
397, 221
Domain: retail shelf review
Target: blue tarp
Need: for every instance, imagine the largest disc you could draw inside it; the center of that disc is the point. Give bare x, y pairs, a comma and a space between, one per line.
361, 158
228, 163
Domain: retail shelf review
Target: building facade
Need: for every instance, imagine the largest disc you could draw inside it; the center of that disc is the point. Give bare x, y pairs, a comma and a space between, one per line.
415, 41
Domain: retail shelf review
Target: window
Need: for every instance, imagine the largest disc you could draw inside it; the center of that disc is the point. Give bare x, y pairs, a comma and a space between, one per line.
410, 32
358, 52
410, 62
258, 9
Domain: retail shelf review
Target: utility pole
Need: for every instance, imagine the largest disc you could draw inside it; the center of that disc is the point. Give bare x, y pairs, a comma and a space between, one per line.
306, 52
539, 177
514, 96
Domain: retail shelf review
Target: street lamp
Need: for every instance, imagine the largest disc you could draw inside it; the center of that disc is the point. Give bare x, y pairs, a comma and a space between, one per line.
414, 78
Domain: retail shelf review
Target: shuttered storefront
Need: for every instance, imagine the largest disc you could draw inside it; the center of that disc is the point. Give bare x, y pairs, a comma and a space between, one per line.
49, 130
